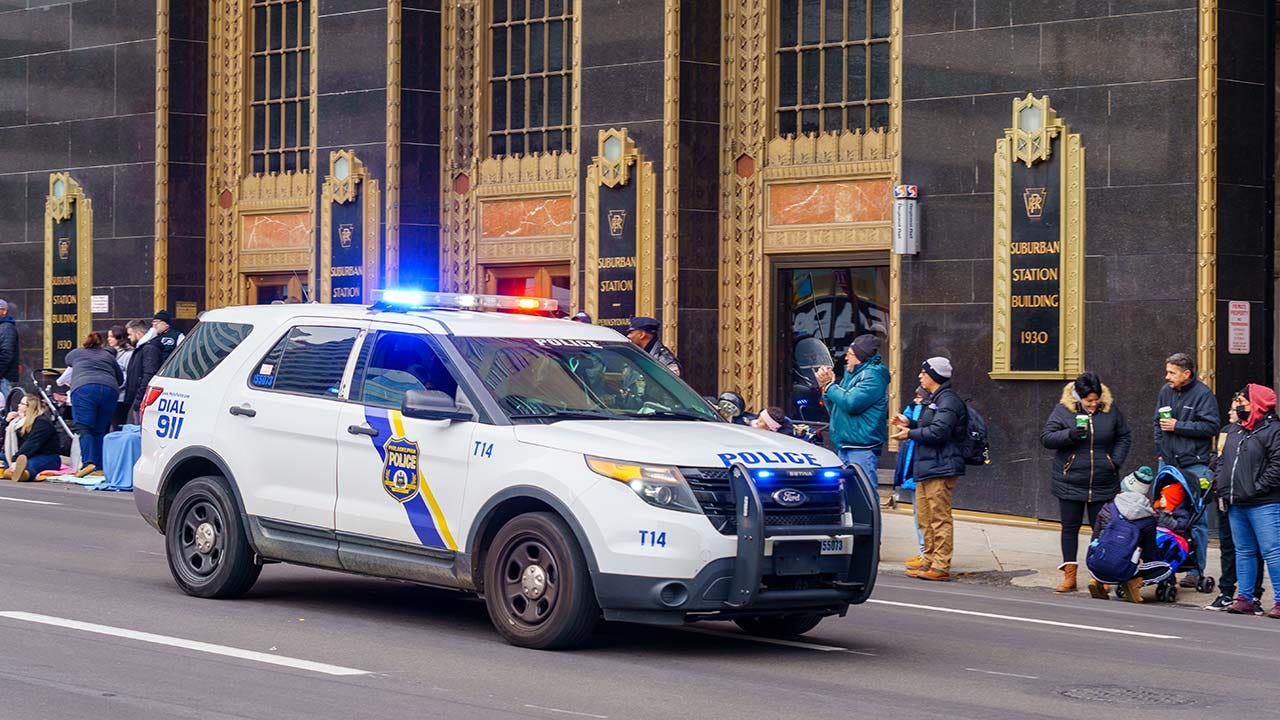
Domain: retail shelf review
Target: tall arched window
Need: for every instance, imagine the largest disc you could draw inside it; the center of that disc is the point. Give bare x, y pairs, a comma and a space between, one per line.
832, 65
280, 99
530, 76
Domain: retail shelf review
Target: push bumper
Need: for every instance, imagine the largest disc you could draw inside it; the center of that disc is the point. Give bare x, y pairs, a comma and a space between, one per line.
796, 577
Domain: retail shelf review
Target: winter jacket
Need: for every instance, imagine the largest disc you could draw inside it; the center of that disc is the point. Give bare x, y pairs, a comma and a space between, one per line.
143, 366
1196, 410
41, 439
938, 435
662, 354
1136, 508
1254, 474
859, 406
902, 475
168, 342
94, 366
1086, 469
8, 349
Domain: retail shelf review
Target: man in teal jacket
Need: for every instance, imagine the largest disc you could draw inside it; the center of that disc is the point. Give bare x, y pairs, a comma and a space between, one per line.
859, 405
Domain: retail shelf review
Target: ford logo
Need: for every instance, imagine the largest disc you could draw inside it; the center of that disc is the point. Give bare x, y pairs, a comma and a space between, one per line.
788, 497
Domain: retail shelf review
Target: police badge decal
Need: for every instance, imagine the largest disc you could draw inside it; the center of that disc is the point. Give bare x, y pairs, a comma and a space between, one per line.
400, 469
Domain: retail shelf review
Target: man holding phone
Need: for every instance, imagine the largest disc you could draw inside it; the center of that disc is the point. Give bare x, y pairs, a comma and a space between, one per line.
859, 404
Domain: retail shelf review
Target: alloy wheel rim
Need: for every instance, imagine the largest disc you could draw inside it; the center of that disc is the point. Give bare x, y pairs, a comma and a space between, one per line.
530, 581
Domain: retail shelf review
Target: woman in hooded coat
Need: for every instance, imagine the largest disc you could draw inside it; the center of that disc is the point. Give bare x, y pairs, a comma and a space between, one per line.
1091, 440
1253, 493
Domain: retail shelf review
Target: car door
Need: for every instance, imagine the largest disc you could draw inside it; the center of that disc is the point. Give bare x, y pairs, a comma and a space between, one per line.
279, 421
402, 479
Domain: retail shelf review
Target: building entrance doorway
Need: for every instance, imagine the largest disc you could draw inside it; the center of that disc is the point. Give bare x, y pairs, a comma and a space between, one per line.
279, 287
541, 281
823, 305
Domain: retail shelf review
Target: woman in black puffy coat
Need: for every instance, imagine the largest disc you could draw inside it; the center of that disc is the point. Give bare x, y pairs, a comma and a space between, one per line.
1091, 440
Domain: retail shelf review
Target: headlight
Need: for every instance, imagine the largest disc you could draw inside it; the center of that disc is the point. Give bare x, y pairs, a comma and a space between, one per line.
658, 485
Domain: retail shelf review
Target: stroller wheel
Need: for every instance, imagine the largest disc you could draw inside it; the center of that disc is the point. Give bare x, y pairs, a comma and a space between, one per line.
1172, 596
1120, 591
1206, 585
1162, 593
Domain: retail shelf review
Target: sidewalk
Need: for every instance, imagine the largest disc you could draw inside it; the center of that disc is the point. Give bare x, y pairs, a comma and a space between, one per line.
1019, 553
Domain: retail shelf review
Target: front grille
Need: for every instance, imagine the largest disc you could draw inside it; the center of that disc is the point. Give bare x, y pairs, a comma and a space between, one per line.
824, 504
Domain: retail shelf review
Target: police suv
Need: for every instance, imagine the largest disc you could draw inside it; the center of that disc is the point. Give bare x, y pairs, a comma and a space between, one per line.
550, 466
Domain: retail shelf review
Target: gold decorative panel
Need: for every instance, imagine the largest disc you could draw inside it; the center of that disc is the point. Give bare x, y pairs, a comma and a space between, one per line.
348, 179
394, 43
68, 267
160, 260
623, 166
1022, 350
1207, 197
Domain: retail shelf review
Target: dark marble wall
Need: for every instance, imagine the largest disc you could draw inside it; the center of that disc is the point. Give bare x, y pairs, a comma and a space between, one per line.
420, 144
1123, 75
188, 149
699, 219
1246, 146
77, 94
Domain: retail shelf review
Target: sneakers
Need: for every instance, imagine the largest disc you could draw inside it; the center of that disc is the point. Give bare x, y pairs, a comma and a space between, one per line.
935, 575
1221, 603
916, 572
917, 563
1244, 606
1190, 580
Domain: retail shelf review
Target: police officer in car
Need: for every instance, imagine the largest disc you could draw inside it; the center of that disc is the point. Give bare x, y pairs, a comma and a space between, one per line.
643, 331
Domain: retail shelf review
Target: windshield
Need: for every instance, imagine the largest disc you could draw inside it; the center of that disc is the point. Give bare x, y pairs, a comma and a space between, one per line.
555, 379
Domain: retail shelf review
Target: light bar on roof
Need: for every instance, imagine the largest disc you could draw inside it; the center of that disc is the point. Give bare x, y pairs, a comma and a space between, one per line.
402, 300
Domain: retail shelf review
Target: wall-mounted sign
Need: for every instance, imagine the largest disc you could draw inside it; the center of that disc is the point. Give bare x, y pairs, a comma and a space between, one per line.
68, 268
1238, 327
1038, 287
349, 220
620, 241
99, 304
185, 310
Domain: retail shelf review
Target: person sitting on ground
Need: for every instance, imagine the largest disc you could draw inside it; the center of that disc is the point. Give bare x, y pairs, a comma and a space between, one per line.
37, 442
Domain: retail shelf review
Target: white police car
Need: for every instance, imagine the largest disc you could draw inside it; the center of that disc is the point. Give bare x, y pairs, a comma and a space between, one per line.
551, 466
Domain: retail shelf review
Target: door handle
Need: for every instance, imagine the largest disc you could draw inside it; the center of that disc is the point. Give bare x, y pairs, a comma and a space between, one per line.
362, 430
244, 410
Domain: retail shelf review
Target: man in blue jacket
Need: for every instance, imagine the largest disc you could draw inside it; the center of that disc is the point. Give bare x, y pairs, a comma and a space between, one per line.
1185, 423
859, 404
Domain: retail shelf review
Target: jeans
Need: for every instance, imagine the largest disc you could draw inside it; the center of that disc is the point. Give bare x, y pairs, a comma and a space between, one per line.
1073, 512
37, 464
91, 408
5, 387
1227, 551
1199, 531
865, 459
1256, 531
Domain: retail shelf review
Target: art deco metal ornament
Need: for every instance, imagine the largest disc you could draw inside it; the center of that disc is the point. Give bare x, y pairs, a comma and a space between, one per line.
617, 154
613, 168
1038, 247
348, 179
67, 291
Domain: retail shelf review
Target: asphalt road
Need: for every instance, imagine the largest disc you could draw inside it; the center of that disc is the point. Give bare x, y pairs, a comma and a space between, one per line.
80, 577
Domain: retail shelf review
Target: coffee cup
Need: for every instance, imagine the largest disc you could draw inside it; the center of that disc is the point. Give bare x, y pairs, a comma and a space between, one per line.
1166, 413
1082, 422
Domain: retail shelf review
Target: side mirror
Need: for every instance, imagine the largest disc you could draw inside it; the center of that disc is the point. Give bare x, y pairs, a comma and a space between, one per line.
432, 405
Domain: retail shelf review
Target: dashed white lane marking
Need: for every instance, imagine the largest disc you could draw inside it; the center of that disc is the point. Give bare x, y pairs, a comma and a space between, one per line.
1003, 674
566, 712
1033, 621
184, 644
32, 502
777, 641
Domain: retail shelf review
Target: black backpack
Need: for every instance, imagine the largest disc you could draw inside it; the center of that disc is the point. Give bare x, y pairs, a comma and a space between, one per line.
975, 448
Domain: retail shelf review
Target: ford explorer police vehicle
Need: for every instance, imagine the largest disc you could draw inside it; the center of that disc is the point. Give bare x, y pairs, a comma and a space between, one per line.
550, 466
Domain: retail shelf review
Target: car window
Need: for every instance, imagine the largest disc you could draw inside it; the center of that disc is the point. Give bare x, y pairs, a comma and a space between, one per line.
308, 360
207, 345
401, 362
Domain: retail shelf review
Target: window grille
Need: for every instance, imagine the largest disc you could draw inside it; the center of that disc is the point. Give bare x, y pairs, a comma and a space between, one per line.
530, 76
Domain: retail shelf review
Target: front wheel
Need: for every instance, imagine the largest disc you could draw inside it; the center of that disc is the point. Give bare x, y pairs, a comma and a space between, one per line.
780, 626
209, 554
536, 584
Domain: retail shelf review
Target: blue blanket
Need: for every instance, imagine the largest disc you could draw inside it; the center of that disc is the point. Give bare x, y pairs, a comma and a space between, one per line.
120, 450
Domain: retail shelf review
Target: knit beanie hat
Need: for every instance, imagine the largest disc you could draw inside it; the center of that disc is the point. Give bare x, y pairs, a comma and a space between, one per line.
865, 347
938, 368
1139, 481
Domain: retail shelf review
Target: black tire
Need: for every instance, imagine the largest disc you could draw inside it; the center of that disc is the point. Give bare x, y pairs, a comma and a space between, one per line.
1162, 593
209, 554
550, 608
1172, 597
1206, 584
780, 626
1121, 593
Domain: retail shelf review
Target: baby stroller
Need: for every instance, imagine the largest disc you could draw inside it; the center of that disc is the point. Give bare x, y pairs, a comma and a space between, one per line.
1175, 549
45, 381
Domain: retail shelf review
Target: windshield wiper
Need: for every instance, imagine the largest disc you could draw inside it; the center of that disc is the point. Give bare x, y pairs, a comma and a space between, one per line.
565, 415
670, 415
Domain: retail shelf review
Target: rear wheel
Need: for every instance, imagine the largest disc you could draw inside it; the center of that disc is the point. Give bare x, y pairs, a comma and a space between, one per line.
780, 626
1206, 584
205, 542
536, 584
